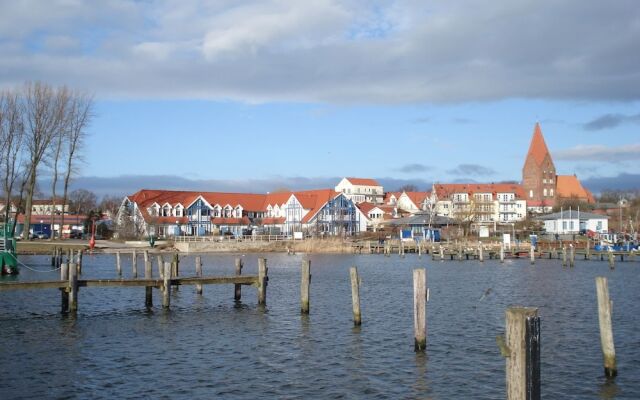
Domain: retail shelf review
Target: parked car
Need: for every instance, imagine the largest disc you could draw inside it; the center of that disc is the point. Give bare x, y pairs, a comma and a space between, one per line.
39, 235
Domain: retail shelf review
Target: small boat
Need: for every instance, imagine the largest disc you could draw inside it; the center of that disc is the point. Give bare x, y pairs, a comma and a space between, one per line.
8, 257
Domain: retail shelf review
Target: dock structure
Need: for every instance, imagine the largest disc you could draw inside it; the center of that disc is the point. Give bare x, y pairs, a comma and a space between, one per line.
481, 251
70, 283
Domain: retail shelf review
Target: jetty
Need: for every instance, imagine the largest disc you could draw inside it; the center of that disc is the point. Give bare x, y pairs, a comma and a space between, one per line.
70, 280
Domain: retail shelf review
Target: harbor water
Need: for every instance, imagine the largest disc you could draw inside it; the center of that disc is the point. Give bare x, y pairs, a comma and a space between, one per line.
212, 347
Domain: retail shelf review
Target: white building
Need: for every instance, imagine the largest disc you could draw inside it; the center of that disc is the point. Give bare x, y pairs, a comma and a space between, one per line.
361, 190
481, 203
573, 221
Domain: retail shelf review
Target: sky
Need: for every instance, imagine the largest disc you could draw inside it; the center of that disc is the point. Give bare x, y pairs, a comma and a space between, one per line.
255, 96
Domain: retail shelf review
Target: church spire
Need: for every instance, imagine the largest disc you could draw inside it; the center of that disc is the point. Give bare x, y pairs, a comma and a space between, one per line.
538, 148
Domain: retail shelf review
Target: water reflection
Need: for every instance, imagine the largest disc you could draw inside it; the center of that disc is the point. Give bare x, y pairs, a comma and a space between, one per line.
609, 390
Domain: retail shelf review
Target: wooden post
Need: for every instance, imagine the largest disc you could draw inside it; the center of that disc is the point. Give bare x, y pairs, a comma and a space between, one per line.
355, 296
166, 287
263, 278
198, 274
53, 258
587, 254
118, 266
606, 330
612, 261
502, 252
134, 264
80, 261
304, 286
64, 292
175, 268
480, 252
148, 271
532, 254
572, 255
523, 362
69, 255
73, 288
160, 266
146, 256
238, 288
441, 253
564, 256
420, 309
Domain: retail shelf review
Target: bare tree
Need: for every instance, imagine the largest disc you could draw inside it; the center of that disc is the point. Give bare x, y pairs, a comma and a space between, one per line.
56, 151
80, 114
82, 201
45, 109
11, 146
109, 205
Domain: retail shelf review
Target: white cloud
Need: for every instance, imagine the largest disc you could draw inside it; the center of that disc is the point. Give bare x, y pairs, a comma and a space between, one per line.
351, 51
600, 153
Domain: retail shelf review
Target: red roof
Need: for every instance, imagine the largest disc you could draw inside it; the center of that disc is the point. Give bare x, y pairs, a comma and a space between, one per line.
538, 148
231, 221
568, 186
363, 181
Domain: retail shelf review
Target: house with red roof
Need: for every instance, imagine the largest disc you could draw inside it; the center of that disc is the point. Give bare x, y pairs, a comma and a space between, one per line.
361, 190
172, 213
481, 203
410, 202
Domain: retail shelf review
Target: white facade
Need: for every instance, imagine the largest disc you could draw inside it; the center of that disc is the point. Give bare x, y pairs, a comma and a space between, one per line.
360, 193
573, 222
483, 207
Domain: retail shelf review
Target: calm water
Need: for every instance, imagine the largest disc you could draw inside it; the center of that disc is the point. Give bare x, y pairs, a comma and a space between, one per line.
210, 347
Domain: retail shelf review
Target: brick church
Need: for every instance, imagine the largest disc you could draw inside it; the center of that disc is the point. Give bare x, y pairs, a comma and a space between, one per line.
542, 186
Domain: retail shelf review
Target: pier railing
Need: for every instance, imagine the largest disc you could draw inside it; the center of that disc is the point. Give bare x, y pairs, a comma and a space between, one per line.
229, 238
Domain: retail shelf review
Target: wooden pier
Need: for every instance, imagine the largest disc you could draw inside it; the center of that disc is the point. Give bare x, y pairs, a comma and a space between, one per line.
70, 282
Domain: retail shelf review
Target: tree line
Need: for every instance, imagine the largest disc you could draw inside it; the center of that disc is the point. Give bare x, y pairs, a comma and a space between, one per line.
42, 130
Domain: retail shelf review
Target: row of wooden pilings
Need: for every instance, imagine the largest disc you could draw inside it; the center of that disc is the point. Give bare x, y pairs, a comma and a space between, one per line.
520, 346
169, 273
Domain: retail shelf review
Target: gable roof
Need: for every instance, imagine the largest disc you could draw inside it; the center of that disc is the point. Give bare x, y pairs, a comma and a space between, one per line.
363, 181
538, 148
568, 186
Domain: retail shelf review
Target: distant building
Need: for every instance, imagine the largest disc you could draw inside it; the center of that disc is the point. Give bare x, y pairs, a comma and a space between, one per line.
574, 221
171, 213
45, 206
361, 190
411, 202
376, 214
481, 203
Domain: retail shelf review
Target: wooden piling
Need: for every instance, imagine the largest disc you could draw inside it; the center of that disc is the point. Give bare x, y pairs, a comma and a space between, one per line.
238, 288
198, 274
480, 252
606, 330
166, 287
355, 296
146, 256
612, 261
148, 271
53, 257
118, 265
263, 278
502, 253
73, 288
572, 255
160, 266
564, 256
64, 292
587, 254
80, 261
304, 286
532, 254
441, 253
420, 309
523, 361
134, 264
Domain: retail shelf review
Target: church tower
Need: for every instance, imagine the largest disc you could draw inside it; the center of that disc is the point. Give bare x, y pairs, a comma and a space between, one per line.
539, 173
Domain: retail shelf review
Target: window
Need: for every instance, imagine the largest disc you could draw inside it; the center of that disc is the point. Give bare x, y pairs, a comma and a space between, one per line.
599, 226
544, 192
551, 194
531, 194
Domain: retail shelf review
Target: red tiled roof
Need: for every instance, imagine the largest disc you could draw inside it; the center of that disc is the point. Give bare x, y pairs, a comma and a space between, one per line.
273, 220
46, 219
418, 197
366, 207
538, 148
363, 181
568, 186
387, 196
